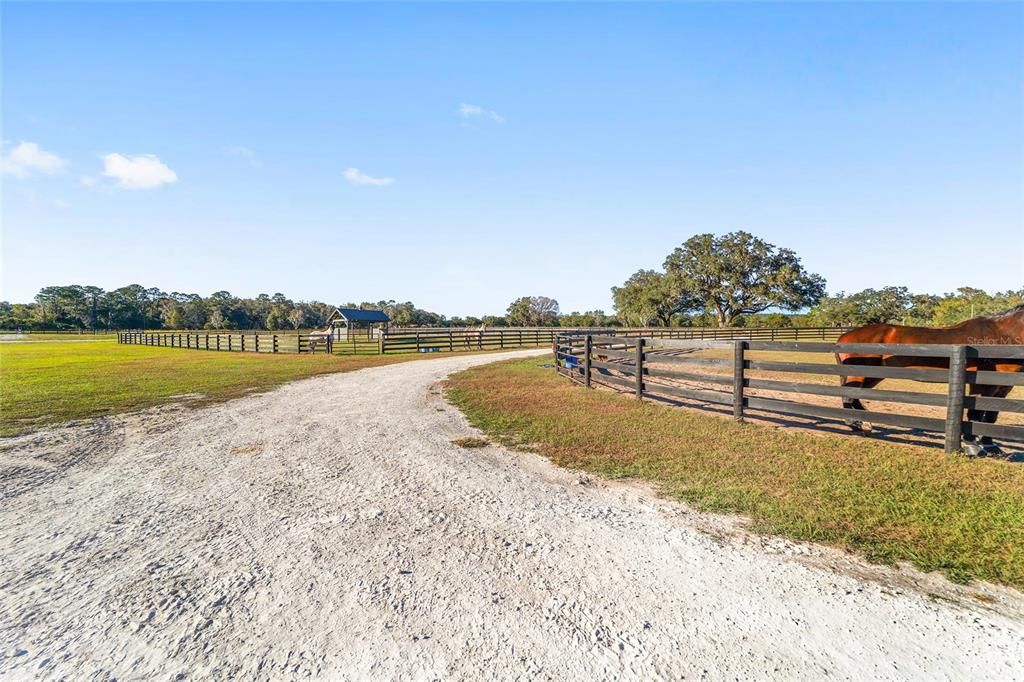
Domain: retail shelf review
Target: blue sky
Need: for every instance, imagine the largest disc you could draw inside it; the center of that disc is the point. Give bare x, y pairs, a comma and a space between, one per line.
461, 155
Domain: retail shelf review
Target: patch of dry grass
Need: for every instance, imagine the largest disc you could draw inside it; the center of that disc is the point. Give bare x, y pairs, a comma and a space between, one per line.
470, 442
890, 502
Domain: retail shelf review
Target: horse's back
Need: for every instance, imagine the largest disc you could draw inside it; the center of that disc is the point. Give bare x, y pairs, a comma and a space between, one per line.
872, 333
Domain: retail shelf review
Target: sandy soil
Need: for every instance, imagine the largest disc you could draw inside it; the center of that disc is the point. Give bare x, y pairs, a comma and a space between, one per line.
329, 529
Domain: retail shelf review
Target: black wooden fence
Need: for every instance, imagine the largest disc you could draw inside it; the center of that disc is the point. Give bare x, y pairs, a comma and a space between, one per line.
448, 340
434, 340
254, 342
454, 340
656, 367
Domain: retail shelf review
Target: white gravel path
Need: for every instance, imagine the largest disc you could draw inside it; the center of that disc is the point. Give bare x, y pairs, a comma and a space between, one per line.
329, 529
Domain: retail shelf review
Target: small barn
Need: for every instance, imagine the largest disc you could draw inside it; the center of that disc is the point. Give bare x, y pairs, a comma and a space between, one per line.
349, 323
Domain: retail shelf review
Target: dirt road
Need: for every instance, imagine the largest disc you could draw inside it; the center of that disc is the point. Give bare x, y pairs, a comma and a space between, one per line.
329, 529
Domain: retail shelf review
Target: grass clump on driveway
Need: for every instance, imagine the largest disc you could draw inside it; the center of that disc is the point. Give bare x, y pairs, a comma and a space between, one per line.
891, 502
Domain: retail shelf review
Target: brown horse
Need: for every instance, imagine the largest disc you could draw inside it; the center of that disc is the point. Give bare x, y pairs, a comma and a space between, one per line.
1007, 328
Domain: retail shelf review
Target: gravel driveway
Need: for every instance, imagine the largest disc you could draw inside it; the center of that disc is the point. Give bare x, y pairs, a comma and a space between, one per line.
329, 529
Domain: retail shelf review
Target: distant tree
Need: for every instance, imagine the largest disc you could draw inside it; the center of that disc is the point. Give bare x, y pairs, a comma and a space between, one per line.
175, 318
216, 320
591, 318
648, 297
94, 300
740, 274
297, 317
871, 306
895, 305
518, 313
533, 311
968, 302
776, 320
921, 309
277, 318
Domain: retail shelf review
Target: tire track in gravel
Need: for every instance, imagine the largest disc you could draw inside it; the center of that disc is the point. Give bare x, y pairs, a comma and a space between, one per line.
329, 529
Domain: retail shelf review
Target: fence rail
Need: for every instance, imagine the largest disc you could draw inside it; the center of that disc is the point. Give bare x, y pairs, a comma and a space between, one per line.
255, 342
656, 367
437, 340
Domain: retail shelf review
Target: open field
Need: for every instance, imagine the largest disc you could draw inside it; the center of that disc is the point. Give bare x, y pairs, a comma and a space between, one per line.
891, 502
340, 528
46, 381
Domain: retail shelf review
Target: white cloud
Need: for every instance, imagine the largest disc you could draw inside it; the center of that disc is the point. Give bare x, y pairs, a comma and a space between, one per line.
60, 203
358, 177
27, 158
477, 111
144, 171
88, 180
245, 153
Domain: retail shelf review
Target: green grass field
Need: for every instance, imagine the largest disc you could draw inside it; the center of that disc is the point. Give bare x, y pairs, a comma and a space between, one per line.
47, 380
891, 502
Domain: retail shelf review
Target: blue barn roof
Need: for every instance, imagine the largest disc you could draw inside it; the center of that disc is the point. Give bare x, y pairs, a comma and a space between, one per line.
357, 315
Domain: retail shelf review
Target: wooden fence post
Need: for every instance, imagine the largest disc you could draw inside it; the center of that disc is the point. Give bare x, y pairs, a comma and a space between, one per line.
639, 367
257, 337
737, 379
588, 344
955, 398
274, 344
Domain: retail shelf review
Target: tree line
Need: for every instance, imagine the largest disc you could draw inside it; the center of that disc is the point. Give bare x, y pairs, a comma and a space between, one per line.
736, 279
78, 307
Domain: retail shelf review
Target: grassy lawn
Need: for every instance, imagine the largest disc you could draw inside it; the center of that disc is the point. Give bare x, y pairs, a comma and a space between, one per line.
57, 380
891, 502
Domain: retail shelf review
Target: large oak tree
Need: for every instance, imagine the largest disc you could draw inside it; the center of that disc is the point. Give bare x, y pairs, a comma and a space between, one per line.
740, 274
